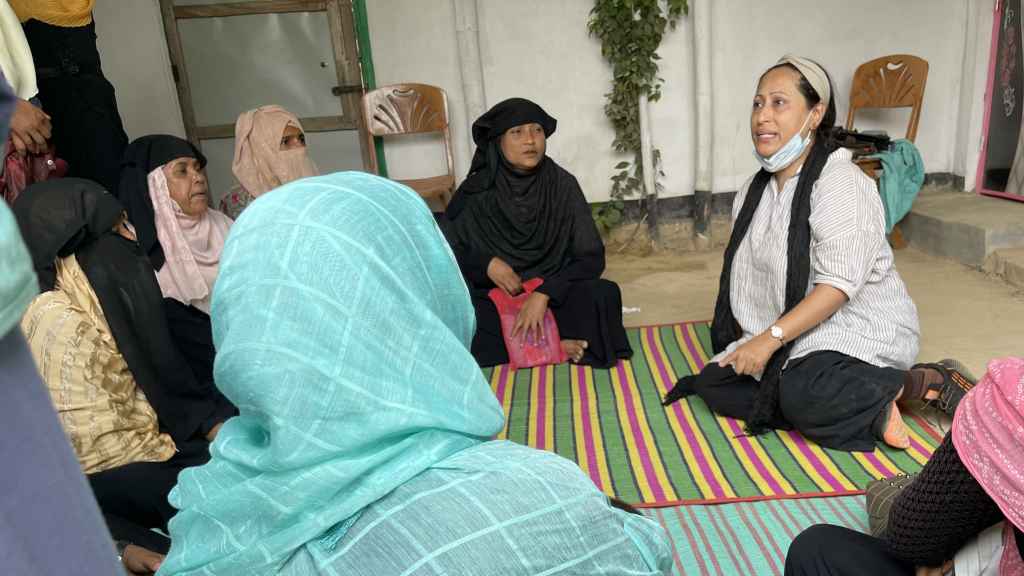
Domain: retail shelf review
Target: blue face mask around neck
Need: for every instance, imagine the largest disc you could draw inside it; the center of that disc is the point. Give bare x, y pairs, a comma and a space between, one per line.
788, 153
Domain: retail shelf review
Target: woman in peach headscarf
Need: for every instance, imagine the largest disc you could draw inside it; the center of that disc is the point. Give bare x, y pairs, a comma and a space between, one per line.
270, 150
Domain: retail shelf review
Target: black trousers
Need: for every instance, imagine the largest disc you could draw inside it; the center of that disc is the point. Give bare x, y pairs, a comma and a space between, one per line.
824, 550
591, 311
836, 400
87, 128
133, 497
935, 516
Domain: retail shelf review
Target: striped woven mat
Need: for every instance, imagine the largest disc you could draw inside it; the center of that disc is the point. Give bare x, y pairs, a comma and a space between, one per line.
612, 423
748, 537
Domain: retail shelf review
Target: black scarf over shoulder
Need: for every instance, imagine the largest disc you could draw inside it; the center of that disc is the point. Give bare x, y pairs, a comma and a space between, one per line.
68, 216
724, 328
140, 158
527, 219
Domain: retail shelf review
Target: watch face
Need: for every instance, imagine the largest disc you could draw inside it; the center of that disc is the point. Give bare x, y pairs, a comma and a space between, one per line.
776, 332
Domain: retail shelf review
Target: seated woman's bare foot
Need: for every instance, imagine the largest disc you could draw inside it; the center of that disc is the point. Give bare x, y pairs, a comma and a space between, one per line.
575, 349
895, 433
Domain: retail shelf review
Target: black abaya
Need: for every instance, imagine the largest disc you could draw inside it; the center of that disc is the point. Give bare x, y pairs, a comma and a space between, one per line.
540, 224
73, 216
87, 128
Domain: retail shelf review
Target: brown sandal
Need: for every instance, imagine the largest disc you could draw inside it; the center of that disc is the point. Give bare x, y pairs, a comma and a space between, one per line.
954, 386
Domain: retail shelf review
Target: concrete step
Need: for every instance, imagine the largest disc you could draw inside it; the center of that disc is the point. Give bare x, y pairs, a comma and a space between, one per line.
963, 226
1009, 264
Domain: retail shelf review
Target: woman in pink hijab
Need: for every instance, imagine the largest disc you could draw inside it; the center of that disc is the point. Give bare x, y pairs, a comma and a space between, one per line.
974, 480
164, 189
270, 150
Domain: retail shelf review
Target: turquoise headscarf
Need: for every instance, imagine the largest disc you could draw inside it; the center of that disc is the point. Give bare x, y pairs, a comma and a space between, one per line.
342, 327
18, 285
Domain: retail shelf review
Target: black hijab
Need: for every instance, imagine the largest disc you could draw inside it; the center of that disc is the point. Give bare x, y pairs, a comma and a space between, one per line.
75, 216
526, 218
140, 158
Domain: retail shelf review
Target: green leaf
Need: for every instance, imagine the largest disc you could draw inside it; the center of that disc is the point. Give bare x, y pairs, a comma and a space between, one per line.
630, 33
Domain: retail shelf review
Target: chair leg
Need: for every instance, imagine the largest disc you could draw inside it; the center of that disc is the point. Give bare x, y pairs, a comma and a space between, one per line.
896, 238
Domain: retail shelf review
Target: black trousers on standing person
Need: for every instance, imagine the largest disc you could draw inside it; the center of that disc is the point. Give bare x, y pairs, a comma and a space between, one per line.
934, 516
836, 400
591, 311
133, 497
87, 129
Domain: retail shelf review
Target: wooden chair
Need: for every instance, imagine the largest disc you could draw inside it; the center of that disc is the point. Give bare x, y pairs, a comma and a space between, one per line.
402, 109
895, 81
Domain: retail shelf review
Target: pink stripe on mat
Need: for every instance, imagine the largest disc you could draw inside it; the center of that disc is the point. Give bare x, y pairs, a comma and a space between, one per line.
878, 464
588, 431
748, 448
672, 541
694, 353
729, 543
816, 462
760, 543
542, 404
771, 505
920, 448
677, 410
638, 435
855, 518
703, 538
500, 392
692, 541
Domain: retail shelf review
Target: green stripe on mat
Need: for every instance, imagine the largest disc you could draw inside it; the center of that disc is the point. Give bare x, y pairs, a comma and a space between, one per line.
612, 424
748, 537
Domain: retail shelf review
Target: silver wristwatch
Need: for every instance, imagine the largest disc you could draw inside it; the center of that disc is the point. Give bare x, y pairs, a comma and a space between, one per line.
777, 333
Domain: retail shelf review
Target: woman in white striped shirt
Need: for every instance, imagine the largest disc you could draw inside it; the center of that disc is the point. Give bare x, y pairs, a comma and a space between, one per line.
814, 329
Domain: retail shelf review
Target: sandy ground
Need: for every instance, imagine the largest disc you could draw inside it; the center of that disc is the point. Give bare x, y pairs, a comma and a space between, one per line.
965, 314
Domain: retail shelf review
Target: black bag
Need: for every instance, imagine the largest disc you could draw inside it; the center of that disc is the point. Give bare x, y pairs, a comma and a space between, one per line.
862, 143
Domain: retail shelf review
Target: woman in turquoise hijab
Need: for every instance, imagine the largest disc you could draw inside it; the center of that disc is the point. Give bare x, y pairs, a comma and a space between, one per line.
342, 327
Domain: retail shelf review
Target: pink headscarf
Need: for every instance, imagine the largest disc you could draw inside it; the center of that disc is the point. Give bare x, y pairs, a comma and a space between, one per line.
260, 165
192, 246
988, 433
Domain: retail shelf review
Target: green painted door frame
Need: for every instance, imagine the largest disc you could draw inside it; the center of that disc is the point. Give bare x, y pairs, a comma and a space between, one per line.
369, 76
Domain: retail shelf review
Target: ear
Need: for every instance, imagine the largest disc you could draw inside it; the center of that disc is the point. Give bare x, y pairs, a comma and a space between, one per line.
817, 115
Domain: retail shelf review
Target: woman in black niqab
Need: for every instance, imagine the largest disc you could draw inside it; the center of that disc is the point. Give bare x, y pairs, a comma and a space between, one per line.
519, 215
67, 216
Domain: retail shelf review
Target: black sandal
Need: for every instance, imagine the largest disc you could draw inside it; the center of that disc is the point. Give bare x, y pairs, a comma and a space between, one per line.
956, 383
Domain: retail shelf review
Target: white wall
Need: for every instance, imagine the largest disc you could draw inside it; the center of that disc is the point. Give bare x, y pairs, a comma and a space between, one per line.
540, 49
414, 41
535, 49
130, 37
840, 38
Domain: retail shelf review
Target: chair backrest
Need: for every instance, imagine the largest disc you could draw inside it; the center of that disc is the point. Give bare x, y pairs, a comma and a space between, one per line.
895, 81
401, 109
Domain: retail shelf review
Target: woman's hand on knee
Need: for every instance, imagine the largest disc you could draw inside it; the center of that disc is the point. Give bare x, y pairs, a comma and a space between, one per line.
751, 357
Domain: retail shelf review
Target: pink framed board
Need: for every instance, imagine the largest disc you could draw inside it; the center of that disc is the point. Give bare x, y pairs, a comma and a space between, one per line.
1004, 103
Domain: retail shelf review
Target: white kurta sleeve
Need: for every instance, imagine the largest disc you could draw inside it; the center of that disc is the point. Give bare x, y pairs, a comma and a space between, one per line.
847, 229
